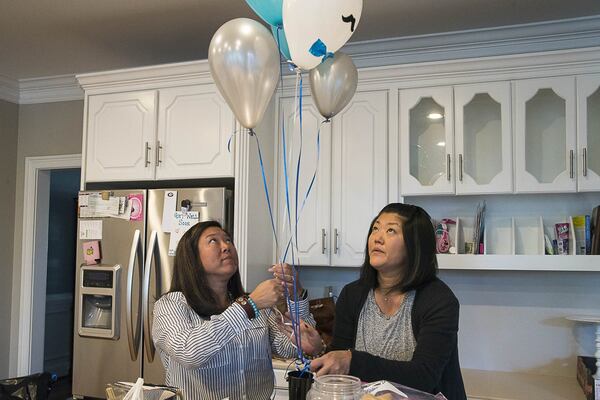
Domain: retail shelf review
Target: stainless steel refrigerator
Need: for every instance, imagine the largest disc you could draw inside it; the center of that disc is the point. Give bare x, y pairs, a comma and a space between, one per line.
130, 269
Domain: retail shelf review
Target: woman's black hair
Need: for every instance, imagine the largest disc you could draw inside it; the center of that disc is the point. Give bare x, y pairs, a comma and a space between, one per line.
189, 276
419, 238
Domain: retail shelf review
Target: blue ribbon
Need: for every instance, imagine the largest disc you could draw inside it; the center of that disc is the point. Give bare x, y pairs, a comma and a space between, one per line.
319, 49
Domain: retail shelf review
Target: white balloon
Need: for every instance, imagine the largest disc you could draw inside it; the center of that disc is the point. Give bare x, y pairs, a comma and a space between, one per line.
306, 21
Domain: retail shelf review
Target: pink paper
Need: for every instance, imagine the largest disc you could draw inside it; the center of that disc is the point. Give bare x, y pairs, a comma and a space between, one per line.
91, 252
137, 208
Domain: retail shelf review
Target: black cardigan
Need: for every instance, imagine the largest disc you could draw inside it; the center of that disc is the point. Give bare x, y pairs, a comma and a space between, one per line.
434, 367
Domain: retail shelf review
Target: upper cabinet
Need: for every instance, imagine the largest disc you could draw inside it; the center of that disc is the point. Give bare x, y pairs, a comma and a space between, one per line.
545, 136
426, 141
483, 138
171, 133
194, 126
588, 133
456, 139
359, 174
121, 131
351, 181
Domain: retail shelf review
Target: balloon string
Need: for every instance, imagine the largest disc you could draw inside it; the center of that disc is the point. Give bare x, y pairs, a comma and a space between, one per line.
266, 187
294, 309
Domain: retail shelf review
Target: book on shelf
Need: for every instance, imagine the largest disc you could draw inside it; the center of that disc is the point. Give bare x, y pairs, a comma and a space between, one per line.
581, 227
595, 229
478, 230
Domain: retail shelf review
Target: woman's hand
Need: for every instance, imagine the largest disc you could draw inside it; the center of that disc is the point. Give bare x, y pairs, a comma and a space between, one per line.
284, 275
334, 362
267, 294
310, 339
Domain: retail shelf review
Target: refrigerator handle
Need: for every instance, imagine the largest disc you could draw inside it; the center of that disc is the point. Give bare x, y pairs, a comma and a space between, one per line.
148, 343
133, 338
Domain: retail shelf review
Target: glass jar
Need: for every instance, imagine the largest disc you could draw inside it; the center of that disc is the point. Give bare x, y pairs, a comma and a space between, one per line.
335, 387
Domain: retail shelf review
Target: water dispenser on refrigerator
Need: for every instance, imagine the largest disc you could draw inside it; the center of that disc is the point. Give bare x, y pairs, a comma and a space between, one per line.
99, 301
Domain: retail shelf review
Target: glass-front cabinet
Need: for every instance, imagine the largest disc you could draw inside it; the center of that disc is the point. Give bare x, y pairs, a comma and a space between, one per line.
426, 141
483, 138
473, 156
588, 133
545, 139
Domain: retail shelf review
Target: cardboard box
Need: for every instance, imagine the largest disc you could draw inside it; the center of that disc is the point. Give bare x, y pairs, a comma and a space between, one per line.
586, 368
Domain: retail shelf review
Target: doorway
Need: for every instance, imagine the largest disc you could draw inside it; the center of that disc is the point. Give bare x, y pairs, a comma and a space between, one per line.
38, 242
60, 278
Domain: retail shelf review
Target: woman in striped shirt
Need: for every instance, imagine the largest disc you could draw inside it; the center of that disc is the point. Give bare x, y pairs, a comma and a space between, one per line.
215, 341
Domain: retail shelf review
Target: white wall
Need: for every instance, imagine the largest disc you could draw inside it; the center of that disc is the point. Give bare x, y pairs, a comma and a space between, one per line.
44, 129
8, 167
509, 321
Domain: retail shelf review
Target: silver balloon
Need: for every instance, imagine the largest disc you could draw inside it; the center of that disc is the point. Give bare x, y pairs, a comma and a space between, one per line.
333, 83
244, 63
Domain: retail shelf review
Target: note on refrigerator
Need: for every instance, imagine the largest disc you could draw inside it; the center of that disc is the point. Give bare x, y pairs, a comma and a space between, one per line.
183, 222
169, 208
90, 230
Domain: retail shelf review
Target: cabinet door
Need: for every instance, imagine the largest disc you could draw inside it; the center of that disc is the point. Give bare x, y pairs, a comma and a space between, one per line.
588, 132
121, 130
545, 135
426, 141
194, 126
359, 174
314, 218
483, 138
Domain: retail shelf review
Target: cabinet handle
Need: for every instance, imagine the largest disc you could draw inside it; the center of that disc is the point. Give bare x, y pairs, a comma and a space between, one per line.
335, 241
323, 236
158, 151
448, 167
585, 161
460, 167
147, 155
571, 172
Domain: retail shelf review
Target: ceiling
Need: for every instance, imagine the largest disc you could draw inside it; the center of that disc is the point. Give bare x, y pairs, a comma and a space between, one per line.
41, 38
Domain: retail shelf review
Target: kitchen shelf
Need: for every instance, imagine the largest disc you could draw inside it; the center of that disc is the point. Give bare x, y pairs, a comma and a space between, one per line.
482, 262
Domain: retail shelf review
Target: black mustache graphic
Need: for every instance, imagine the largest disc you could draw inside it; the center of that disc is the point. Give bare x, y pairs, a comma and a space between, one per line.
350, 18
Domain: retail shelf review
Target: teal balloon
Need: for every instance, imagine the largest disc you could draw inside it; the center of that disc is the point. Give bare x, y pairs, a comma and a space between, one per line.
281, 42
269, 10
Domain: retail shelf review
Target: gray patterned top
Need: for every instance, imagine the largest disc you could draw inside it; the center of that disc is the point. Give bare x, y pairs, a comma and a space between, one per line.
387, 337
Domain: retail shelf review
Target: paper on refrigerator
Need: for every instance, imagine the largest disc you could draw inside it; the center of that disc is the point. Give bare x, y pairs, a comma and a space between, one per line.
182, 222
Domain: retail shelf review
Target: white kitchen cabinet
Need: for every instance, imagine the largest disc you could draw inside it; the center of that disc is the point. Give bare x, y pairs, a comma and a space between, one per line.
426, 141
194, 126
351, 182
359, 174
545, 137
314, 214
473, 156
588, 133
171, 133
121, 131
483, 138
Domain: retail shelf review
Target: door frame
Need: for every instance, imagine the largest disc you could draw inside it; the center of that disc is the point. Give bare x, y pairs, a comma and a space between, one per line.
34, 247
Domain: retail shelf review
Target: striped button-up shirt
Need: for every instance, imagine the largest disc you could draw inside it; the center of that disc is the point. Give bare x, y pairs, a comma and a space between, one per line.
224, 356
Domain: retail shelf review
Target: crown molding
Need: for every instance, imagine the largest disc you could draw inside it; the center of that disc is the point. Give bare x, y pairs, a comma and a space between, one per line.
542, 37
9, 89
512, 39
156, 76
49, 89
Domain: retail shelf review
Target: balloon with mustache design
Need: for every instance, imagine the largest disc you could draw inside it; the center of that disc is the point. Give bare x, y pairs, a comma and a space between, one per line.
316, 28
